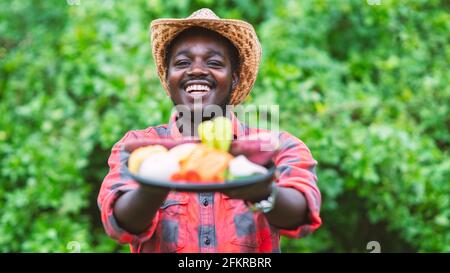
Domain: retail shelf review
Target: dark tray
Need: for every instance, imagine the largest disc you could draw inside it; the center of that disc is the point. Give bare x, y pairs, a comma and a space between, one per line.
238, 147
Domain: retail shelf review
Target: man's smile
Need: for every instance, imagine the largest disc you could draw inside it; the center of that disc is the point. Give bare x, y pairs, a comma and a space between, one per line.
198, 88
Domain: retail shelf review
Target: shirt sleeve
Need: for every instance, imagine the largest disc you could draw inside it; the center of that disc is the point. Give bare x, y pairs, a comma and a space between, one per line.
116, 183
296, 169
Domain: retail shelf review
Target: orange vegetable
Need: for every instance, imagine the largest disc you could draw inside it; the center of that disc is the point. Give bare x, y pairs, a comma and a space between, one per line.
191, 162
213, 164
204, 164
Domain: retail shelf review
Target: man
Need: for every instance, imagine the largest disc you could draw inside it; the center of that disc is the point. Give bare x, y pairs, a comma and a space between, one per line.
207, 62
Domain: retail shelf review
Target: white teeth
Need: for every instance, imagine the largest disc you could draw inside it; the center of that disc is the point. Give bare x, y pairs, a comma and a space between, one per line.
197, 87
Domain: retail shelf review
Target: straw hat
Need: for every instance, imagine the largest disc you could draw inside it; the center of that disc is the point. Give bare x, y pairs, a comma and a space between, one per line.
240, 33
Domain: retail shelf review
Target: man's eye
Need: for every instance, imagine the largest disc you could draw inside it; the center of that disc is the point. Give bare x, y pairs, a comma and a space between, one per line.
215, 63
182, 63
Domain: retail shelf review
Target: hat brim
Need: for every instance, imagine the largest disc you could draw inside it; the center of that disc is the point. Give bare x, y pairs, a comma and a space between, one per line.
241, 34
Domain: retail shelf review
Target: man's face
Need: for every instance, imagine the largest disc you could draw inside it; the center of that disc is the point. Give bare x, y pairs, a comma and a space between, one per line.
200, 70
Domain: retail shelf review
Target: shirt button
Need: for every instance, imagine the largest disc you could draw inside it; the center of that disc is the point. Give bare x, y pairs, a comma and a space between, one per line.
207, 241
205, 202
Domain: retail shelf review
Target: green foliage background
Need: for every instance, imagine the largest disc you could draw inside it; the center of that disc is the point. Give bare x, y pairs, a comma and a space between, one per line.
366, 87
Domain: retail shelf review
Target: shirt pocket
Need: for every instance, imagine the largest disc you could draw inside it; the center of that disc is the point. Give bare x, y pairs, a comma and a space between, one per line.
173, 222
245, 225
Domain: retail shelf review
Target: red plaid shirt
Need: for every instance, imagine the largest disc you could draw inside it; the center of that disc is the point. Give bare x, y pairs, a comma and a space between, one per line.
210, 222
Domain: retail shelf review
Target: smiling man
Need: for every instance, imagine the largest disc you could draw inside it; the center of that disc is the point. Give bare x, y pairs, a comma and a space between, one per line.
206, 64
202, 71
201, 65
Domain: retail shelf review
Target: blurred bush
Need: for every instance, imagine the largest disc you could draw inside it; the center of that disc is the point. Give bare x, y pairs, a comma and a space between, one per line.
365, 86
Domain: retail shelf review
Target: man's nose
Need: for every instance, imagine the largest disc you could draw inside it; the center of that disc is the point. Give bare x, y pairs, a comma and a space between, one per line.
197, 68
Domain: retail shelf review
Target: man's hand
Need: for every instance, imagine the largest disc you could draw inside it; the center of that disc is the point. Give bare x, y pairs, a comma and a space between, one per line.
290, 209
252, 193
133, 209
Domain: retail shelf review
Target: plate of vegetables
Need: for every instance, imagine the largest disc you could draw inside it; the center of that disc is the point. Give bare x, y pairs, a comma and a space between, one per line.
216, 162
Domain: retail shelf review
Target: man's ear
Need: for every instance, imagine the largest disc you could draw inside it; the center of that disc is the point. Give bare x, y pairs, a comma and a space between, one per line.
234, 80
